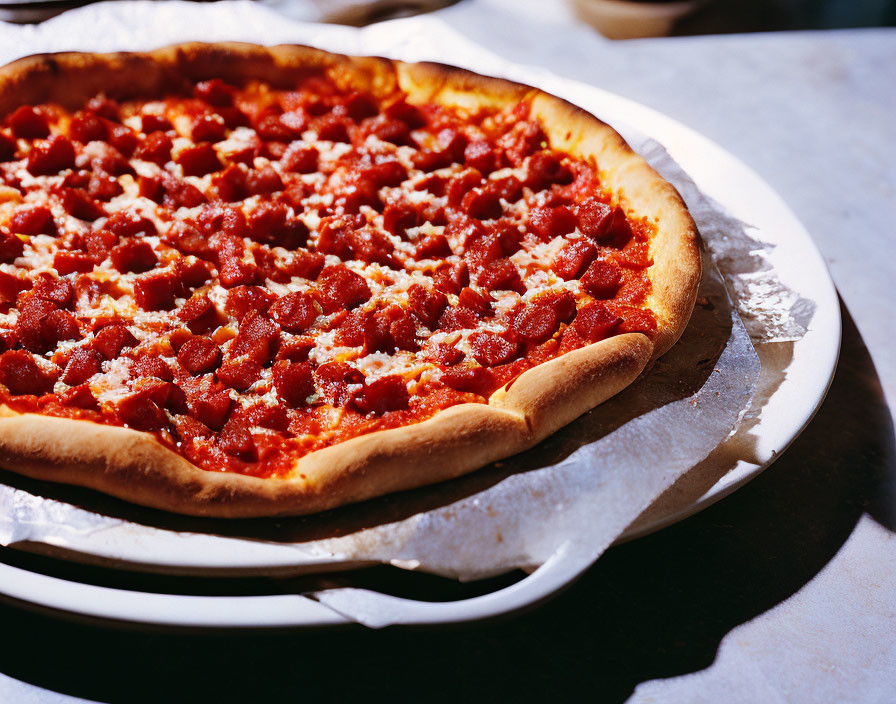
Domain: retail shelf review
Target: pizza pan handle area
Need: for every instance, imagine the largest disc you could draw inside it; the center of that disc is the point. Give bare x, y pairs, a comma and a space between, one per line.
47, 593
379, 610
322, 609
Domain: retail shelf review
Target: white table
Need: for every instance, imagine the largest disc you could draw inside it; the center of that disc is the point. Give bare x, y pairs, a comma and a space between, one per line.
784, 591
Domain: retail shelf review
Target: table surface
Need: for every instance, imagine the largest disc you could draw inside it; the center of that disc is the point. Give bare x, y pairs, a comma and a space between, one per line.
782, 592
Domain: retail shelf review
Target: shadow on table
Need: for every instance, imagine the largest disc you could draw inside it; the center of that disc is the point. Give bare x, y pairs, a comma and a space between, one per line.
657, 607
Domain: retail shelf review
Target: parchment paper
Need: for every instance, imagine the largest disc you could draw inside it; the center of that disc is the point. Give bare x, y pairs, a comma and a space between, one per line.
581, 488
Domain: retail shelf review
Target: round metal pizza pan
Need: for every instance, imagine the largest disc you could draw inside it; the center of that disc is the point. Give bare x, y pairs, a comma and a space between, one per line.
806, 375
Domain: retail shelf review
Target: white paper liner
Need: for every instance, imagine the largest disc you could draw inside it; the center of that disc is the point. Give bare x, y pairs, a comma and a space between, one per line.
581, 488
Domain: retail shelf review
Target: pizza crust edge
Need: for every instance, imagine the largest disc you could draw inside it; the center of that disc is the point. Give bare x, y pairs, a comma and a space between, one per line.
134, 466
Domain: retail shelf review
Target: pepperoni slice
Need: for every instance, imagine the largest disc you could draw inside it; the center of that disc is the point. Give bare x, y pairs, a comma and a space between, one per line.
191, 273
199, 160
370, 245
141, 412
388, 393
200, 314
471, 378
151, 187
257, 339
572, 260
263, 181
112, 339
500, 240
199, 355
80, 204
59, 291
300, 262
150, 123
215, 92
228, 219
20, 374
458, 318
11, 247
550, 222
79, 397
229, 185
594, 322
426, 305
332, 128
333, 237
562, 302
273, 417
434, 183
236, 439
208, 128
523, 139
349, 328
83, 364
475, 301
482, 204
433, 247
151, 367
58, 326
602, 222
104, 107
11, 286
7, 147
602, 279
482, 156
451, 278
156, 291
394, 131
107, 159
239, 374
272, 224
133, 256
444, 355
123, 138
359, 105
243, 299
398, 217
233, 270
294, 382
462, 184
28, 123
386, 173
296, 350
536, 322
36, 220
409, 114
29, 327
210, 405
636, 320
491, 349
155, 148
294, 312
300, 159
128, 223
546, 168
501, 275
51, 156
341, 288
334, 379
389, 330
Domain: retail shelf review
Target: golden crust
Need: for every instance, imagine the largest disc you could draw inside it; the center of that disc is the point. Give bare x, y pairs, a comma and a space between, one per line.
134, 466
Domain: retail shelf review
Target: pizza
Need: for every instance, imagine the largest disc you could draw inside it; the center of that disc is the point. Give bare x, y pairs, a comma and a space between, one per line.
242, 281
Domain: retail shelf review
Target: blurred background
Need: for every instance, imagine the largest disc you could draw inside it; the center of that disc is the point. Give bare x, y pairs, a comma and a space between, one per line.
617, 19
725, 16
